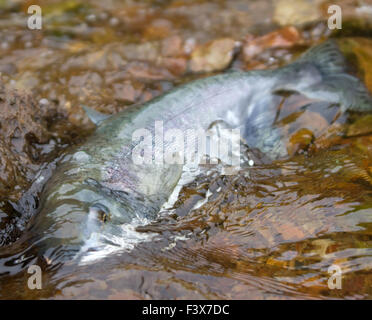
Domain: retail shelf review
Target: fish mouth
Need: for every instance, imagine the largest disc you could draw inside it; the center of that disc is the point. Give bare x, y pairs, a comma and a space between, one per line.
111, 224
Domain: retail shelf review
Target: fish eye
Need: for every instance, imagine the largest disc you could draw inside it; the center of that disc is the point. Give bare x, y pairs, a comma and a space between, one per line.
101, 212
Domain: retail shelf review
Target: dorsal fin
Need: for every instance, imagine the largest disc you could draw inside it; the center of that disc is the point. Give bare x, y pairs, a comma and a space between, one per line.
327, 57
95, 116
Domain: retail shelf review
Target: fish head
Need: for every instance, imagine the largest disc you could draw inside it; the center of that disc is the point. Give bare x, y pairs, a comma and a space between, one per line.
73, 209
81, 221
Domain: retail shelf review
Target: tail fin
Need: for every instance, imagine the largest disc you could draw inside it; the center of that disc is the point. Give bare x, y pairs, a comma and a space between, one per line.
327, 57
321, 74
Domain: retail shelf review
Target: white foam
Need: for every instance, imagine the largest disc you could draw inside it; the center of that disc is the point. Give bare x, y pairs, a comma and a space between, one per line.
101, 245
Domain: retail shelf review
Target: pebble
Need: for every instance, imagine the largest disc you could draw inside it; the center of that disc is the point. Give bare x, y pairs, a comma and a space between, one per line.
8, 69
4, 45
213, 56
296, 12
28, 44
44, 102
114, 21
189, 46
91, 18
103, 15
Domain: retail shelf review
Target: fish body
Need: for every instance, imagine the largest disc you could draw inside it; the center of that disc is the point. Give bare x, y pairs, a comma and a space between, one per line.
97, 188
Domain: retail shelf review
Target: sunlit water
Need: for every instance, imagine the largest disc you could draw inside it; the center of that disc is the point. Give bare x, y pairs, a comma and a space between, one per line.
272, 230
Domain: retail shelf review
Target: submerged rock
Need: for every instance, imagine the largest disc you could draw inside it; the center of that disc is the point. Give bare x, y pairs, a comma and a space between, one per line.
295, 12
32, 133
23, 127
282, 38
214, 56
22, 123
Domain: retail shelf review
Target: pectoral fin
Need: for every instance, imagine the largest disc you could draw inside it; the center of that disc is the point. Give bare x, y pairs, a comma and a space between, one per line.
95, 116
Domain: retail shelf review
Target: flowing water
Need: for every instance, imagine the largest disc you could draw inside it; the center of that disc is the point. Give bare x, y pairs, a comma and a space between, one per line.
272, 230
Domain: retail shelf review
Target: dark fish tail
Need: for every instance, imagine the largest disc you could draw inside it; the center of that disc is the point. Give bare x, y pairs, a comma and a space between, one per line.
326, 78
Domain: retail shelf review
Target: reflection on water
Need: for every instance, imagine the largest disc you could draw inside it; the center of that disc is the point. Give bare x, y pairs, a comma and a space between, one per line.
271, 231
